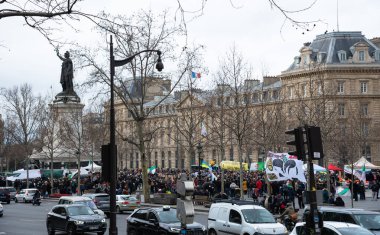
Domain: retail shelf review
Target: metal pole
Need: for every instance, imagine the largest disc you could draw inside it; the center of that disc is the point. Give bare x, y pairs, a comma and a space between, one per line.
113, 174
311, 186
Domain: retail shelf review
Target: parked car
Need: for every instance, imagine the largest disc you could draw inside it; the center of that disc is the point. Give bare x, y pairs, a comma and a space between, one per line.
126, 203
80, 200
159, 221
1, 210
25, 195
367, 219
12, 192
101, 200
242, 217
5, 195
74, 219
332, 228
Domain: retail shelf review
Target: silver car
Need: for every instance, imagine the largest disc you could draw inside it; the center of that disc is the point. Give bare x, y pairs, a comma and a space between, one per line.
126, 203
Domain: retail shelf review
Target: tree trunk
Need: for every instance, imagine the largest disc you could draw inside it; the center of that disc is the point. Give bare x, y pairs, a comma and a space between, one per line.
51, 173
241, 169
78, 176
144, 161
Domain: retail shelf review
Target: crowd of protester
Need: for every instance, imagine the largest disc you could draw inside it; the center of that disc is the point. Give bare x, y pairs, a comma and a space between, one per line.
254, 186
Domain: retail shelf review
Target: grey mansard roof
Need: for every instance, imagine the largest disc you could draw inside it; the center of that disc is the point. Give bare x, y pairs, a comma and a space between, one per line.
331, 43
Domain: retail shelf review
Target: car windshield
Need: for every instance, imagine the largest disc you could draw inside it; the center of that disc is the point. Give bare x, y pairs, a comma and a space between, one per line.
356, 231
168, 216
369, 221
88, 203
255, 216
80, 210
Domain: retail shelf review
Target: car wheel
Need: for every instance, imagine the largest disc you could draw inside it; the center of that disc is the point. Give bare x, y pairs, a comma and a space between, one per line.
71, 229
24, 200
212, 232
16, 200
8, 202
118, 210
50, 229
100, 233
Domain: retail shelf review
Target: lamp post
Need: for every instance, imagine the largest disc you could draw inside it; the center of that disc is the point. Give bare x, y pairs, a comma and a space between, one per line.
199, 148
113, 159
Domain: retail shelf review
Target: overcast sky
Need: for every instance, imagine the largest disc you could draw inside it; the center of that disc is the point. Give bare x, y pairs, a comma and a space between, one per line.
254, 27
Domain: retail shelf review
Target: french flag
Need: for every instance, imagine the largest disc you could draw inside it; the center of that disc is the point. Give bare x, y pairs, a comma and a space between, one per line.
195, 75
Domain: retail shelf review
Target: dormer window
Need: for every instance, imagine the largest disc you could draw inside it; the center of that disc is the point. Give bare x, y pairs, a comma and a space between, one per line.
342, 56
361, 55
320, 57
377, 55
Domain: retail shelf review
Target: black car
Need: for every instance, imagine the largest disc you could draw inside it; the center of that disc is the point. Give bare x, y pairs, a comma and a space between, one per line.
74, 219
149, 221
5, 195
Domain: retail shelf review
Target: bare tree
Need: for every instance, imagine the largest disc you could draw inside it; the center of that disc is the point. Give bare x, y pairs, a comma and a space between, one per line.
238, 119
24, 109
149, 32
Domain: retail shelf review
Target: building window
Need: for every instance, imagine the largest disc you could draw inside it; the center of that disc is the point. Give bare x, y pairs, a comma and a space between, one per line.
303, 90
366, 152
363, 87
265, 95
275, 95
342, 128
167, 108
340, 87
227, 101
137, 160
170, 159
377, 55
156, 159
131, 160
163, 159
342, 56
182, 163
246, 99
231, 154
290, 90
361, 55
290, 110
169, 139
364, 109
162, 138
319, 88
365, 130
341, 109
255, 98
219, 102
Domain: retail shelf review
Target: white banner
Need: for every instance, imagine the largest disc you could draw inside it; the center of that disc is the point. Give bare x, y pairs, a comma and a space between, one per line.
282, 166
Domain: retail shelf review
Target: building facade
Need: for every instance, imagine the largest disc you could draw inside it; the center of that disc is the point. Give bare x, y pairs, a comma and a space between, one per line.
334, 83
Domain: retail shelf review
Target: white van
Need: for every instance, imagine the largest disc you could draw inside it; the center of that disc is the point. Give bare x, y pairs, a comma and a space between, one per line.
80, 200
240, 218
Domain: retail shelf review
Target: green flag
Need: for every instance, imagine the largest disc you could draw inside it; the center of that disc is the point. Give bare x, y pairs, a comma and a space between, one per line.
260, 166
152, 169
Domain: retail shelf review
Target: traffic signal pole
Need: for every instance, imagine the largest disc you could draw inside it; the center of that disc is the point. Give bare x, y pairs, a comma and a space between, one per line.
314, 151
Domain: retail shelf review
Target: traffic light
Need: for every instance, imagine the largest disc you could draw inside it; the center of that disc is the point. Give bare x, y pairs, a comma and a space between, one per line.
315, 142
106, 167
298, 142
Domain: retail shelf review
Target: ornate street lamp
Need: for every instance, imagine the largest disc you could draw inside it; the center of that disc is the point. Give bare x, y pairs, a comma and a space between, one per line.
199, 148
113, 161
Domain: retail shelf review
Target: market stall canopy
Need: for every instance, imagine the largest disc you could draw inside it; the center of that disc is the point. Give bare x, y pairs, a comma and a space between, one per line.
233, 166
363, 162
332, 167
316, 167
92, 166
22, 174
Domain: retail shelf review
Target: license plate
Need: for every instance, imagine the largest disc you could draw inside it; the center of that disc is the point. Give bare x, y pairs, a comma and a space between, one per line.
93, 227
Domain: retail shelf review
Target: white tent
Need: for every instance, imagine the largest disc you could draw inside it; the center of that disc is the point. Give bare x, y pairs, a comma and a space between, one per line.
92, 167
363, 162
316, 167
22, 174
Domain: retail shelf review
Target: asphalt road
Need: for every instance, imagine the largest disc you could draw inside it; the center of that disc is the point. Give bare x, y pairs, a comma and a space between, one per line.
21, 219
